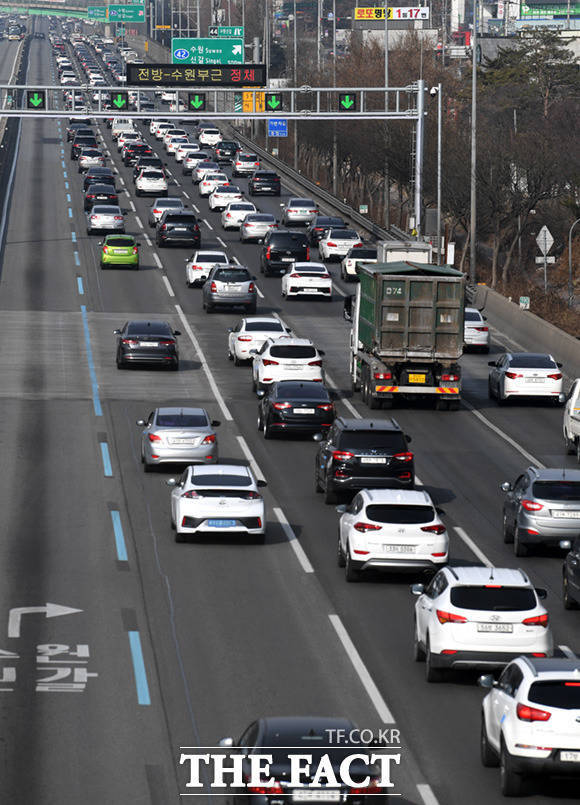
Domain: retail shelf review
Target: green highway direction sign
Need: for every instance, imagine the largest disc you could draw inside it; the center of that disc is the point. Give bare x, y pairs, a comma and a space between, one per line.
346, 102
120, 100
126, 13
207, 51
226, 31
97, 12
35, 99
196, 100
274, 102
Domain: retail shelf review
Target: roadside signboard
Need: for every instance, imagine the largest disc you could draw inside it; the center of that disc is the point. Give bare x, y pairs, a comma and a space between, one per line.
207, 51
393, 13
277, 127
133, 13
214, 75
97, 12
226, 31
544, 240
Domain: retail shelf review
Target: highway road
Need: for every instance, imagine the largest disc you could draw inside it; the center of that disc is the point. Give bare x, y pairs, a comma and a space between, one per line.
162, 645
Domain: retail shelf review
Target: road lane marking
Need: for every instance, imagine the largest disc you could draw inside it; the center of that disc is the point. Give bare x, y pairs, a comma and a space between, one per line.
236, 261
66, 185
532, 459
147, 239
106, 456
204, 365
77, 258
207, 223
68, 198
69, 212
119, 536
157, 260
219, 240
132, 205
139, 222
143, 696
80, 286
259, 292
186, 194
196, 208
471, 544
367, 681
74, 237
427, 794
170, 290
92, 373
343, 400
291, 537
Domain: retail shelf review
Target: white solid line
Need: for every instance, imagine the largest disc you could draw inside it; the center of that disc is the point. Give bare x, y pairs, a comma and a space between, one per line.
249, 455
567, 651
368, 683
168, 286
259, 292
330, 382
532, 459
132, 205
139, 223
207, 224
427, 794
338, 290
204, 365
471, 544
157, 260
219, 240
294, 544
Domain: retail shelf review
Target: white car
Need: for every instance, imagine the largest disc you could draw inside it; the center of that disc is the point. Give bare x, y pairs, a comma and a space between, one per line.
525, 374
470, 617
286, 358
151, 181
210, 137
217, 499
161, 130
69, 80
202, 168
174, 132
529, 721
364, 254
336, 243
475, 330
571, 421
173, 143
251, 333
307, 279
235, 213
128, 137
390, 529
245, 164
210, 181
183, 149
224, 195
201, 262
155, 123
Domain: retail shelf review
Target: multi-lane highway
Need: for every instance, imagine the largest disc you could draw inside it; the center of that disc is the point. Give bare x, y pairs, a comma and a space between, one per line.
178, 645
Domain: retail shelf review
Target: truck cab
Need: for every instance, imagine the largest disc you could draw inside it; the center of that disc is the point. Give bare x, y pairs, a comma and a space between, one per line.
571, 424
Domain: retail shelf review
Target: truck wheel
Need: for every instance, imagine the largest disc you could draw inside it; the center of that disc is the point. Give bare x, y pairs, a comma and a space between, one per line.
372, 401
454, 405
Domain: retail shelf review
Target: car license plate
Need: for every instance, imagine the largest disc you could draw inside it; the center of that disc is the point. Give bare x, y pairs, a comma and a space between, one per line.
372, 460
181, 441
535, 379
221, 523
304, 411
237, 289
495, 627
417, 378
399, 548
180, 229
148, 343
565, 515
119, 251
287, 259
315, 795
569, 756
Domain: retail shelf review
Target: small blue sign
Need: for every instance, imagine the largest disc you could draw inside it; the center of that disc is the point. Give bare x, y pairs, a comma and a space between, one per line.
277, 127
181, 54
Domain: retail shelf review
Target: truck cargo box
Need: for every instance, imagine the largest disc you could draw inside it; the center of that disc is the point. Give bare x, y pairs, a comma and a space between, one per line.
411, 311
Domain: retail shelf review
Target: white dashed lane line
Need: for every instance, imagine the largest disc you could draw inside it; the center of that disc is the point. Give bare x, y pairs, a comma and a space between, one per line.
157, 260
170, 290
207, 223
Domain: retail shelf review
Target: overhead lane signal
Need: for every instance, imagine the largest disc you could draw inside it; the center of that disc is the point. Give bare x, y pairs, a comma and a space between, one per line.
120, 100
35, 99
274, 102
196, 101
347, 102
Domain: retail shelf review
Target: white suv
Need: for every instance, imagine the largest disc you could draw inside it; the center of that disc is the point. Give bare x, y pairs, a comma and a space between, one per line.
478, 616
390, 529
286, 358
530, 721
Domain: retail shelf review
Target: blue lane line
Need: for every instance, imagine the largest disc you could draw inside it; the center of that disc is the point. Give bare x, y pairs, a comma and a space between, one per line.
107, 469
68, 197
65, 173
66, 185
92, 373
119, 536
80, 286
77, 259
69, 212
63, 163
73, 236
139, 669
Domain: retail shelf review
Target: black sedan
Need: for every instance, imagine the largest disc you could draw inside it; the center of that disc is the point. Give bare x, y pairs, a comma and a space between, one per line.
147, 162
319, 226
99, 176
99, 194
295, 406
264, 182
147, 342
179, 228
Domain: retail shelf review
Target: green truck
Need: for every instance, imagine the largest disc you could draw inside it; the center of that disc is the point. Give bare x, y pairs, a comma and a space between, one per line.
407, 333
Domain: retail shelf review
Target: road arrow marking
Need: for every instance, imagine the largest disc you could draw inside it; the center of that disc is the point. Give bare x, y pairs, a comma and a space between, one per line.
50, 610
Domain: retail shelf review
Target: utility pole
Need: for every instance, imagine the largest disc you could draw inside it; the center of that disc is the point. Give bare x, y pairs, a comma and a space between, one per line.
439, 158
387, 184
318, 34
473, 199
295, 23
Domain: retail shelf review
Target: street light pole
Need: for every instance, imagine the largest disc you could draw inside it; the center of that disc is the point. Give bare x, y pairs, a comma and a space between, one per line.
570, 279
387, 184
439, 157
473, 210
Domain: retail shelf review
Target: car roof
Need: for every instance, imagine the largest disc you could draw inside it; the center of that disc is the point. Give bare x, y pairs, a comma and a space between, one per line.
292, 342
303, 726
553, 667
398, 497
512, 577
199, 470
368, 424
555, 474
472, 310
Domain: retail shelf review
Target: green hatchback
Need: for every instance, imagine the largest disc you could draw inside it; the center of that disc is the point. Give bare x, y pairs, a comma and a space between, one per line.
120, 250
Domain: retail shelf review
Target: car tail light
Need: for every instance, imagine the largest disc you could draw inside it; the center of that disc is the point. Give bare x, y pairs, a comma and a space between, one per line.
93, 217
383, 375
434, 529
453, 378
512, 375
314, 363
91, 196
357, 245
481, 329
275, 788
531, 505
364, 527
296, 276
105, 249
527, 713
556, 376
166, 343
325, 406
157, 212
130, 341
153, 437
308, 252
439, 554
342, 455
403, 456
251, 287
282, 406
163, 227
537, 620
135, 249
244, 338
268, 362
118, 217
331, 243
229, 215
190, 494
268, 253
572, 684
450, 617
209, 439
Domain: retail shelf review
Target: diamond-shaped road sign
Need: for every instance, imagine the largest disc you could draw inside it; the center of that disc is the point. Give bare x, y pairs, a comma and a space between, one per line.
544, 240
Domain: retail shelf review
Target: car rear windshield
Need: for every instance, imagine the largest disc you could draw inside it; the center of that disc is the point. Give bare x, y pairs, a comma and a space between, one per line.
168, 202
232, 275
289, 240
472, 315
293, 351
182, 420
556, 490
248, 158
324, 221
301, 202
262, 218
383, 513
105, 189
211, 258
155, 328
495, 599
227, 144
392, 442
152, 175
302, 391
90, 152
210, 131
556, 693
115, 242
344, 234
365, 254
266, 175
239, 207
264, 327
222, 480
180, 219
105, 209
532, 362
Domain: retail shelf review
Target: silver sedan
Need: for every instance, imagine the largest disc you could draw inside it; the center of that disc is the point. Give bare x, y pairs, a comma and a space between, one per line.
256, 226
299, 211
159, 206
105, 218
178, 435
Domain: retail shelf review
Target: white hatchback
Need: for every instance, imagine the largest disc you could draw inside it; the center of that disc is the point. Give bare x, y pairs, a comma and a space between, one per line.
250, 334
217, 499
307, 279
286, 358
235, 214
469, 617
475, 330
210, 181
390, 529
201, 262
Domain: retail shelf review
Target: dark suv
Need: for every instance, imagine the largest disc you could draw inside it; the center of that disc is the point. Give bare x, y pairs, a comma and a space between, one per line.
264, 182
281, 248
178, 227
226, 151
81, 142
361, 453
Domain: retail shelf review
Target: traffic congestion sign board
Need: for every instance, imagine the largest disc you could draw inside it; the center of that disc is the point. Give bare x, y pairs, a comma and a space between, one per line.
207, 51
97, 12
128, 13
215, 75
226, 31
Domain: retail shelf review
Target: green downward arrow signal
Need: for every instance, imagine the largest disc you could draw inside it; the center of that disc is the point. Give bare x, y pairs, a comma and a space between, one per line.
347, 101
196, 101
273, 102
36, 99
120, 101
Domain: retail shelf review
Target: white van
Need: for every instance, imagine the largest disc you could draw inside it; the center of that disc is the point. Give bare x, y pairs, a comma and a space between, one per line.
121, 124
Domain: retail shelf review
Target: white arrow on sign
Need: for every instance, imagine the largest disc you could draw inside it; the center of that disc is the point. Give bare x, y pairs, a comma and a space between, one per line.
236, 50
50, 610
544, 240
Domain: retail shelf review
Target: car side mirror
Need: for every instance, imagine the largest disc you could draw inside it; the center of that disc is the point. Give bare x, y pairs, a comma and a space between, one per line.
177, 332
486, 681
565, 544
417, 589
141, 423
561, 398
262, 483
226, 742
342, 508
253, 352
506, 486
492, 363
171, 482
408, 438
541, 593
559, 365
318, 437
116, 332
440, 512
321, 352
260, 393
215, 423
